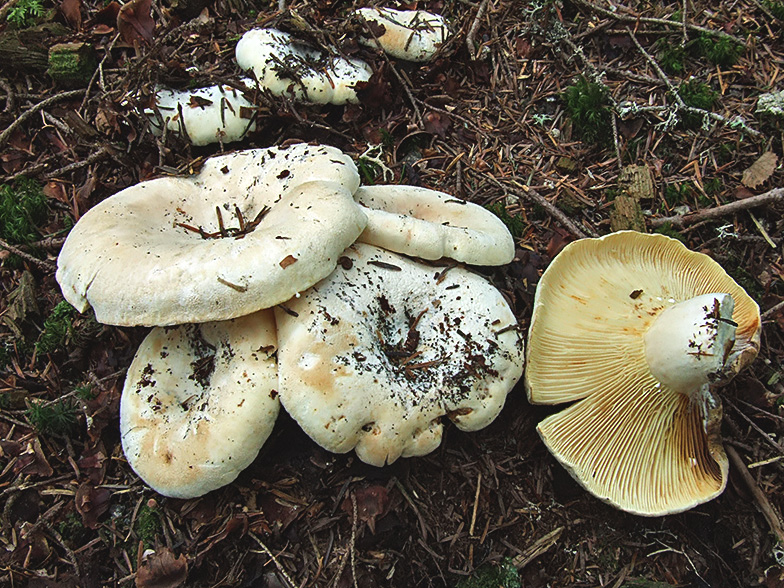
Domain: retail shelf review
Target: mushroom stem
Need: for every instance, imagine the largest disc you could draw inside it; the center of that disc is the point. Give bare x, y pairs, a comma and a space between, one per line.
688, 343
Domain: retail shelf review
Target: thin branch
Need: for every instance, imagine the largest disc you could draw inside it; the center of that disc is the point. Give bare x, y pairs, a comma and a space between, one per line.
680, 104
684, 220
470, 43
764, 505
658, 21
529, 193
6, 134
40, 263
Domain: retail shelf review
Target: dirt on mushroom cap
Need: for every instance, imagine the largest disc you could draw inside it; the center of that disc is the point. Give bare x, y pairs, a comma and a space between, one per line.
375, 355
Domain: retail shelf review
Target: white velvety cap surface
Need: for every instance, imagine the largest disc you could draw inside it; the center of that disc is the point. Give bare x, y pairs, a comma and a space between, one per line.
199, 402
412, 35
287, 67
216, 114
429, 224
138, 257
374, 356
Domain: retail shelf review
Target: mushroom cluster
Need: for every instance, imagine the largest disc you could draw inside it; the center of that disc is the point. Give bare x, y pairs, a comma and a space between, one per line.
263, 278
285, 66
635, 331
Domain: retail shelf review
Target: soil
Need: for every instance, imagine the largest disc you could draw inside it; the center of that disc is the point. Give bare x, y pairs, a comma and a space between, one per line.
490, 120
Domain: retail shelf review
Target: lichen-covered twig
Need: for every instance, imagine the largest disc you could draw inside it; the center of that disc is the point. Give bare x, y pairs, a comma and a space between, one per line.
637, 20
680, 105
470, 42
6, 134
684, 220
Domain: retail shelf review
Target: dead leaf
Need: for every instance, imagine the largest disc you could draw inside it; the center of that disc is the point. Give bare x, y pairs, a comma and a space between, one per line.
91, 503
437, 123
72, 11
135, 22
742, 192
56, 191
32, 461
93, 463
160, 569
372, 503
287, 261
760, 170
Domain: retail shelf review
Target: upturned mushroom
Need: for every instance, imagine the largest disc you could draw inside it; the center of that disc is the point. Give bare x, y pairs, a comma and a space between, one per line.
199, 402
429, 224
411, 35
373, 357
249, 231
635, 330
286, 67
215, 114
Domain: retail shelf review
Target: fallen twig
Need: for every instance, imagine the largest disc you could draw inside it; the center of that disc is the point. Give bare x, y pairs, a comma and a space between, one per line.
531, 194
680, 105
657, 21
470, 43
40, 263
6, 134
684, 220
764, 505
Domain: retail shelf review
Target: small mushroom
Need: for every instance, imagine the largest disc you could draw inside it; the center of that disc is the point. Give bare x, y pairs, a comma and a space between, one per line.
412, 35
249, 231
199, 402
634, 329
216, 114
373, 357
287, 67
425, 223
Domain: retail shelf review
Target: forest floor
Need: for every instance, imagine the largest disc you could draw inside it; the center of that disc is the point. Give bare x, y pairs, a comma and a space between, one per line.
531, 108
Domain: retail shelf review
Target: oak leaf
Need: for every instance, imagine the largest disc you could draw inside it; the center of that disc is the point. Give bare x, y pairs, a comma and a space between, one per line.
759, 171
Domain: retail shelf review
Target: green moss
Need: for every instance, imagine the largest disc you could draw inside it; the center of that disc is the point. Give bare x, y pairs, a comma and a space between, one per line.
85, 392
697, 95
719, 51
368, 170
676, 194
776, 8
514, 223
670, 231
587, 104
58, 418
503, 575
672, 57
22, 208
745, 280
58, 328
71, 529
148, 525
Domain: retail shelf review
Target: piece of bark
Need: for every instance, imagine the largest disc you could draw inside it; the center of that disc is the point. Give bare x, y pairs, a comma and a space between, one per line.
71, 65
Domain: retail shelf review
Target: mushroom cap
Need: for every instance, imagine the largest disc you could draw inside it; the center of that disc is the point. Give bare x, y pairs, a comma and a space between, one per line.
138, 258
216, 114
629, 439
429, 224
287, 67
198, 403
412, 35
373, 357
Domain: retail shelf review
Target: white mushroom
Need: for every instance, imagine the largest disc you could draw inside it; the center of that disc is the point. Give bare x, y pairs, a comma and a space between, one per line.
635, 329
412, 35
374, 356
199, 402
216, 114
249, 231
287, 67
429, 224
